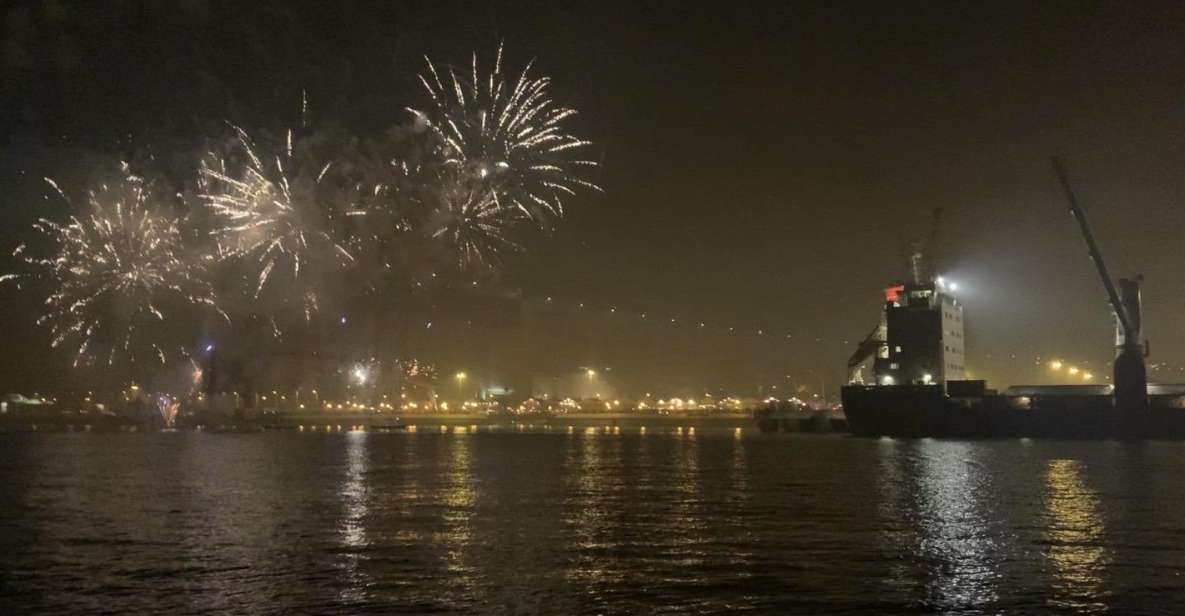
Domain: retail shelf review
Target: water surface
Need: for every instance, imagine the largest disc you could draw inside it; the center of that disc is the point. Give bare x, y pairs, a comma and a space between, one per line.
586, 523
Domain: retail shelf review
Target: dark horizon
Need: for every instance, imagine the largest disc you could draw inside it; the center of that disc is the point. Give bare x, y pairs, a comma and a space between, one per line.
763, 167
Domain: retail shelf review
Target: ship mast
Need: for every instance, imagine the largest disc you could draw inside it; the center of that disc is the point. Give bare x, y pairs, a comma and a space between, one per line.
921, 261
932, 246
1131, 380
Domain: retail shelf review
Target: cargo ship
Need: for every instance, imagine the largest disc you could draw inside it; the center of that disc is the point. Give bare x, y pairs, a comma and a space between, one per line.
907, 378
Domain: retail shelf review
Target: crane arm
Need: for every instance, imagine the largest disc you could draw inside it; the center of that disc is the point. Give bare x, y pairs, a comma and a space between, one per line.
1095, 254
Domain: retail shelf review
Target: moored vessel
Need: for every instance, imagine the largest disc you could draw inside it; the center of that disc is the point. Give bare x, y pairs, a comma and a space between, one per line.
907, 377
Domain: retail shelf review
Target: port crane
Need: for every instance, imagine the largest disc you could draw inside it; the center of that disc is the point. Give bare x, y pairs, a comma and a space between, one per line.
1130, 377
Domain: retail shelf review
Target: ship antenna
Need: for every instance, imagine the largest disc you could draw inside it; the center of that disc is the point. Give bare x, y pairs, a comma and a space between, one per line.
932, 245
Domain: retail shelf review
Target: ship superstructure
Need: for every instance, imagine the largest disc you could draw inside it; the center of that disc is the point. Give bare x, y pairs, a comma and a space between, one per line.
919, 339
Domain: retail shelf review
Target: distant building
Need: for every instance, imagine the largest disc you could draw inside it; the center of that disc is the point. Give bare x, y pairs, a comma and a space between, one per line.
579, 385
495, 392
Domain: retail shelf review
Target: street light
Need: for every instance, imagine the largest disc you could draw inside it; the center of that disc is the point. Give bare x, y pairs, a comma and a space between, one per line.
822, 383
460, 376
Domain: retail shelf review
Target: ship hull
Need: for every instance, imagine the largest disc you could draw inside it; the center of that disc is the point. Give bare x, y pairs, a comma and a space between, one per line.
925, 411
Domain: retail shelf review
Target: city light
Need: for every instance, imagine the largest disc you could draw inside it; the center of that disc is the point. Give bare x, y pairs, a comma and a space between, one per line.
460, 377
1074, 371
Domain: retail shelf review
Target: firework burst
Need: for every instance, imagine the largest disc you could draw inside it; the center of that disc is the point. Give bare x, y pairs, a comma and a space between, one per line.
472, 223
118, 276
504, 137
269, 212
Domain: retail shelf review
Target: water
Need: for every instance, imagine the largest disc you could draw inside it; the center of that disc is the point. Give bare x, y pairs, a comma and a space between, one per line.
557, 523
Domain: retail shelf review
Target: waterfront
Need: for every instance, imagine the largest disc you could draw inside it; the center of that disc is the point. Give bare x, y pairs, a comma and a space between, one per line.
508, 522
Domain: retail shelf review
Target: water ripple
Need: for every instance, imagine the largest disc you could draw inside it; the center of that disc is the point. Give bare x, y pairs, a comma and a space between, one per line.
585, 523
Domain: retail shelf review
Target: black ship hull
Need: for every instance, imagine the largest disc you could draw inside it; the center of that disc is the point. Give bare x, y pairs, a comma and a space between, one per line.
925, 411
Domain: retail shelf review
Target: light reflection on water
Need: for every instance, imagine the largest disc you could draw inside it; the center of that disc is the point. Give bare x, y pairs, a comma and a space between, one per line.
1075, 535
587, 512
689, 550
955, 530
891, 522
584, 523
458, 498
352, 526
934, 515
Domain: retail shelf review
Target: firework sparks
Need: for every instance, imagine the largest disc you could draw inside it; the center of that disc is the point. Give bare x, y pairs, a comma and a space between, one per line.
506, 139
471, 221
117, 276
270, 213
168, 407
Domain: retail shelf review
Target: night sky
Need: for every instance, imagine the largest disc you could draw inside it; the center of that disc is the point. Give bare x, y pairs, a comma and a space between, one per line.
763, 166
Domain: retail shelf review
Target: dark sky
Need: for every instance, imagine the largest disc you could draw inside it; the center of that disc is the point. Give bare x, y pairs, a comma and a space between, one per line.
763, 165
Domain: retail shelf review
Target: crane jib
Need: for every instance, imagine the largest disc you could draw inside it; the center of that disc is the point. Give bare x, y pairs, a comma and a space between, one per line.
1129, 328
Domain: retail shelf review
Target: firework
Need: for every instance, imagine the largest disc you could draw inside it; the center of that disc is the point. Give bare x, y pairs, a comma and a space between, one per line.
168, 406
385, 204
270, 213
118, 276
416, 369
505, 150
471, 222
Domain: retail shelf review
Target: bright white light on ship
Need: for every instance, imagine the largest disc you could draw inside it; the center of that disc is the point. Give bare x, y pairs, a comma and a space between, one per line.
927, 378
887, 380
